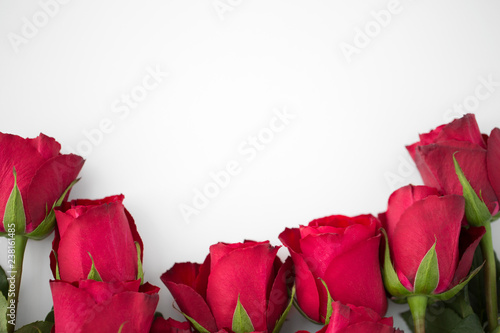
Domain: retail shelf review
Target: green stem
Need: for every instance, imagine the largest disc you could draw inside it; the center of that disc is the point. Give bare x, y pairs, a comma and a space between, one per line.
15, 267
418, 305
490, 278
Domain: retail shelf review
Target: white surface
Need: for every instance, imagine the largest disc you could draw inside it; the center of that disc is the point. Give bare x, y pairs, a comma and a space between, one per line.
226, 75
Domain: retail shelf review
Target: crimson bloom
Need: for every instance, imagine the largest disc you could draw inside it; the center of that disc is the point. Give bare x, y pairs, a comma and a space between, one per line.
94, 306
344, 253
417, 219
246, 275
101, 230
43, 176
160, 325
477, 154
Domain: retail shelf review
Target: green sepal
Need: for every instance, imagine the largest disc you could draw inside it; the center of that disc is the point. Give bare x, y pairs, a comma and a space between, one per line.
476, 211
140, 272
93, 274
241, 321
36, 327
455, 290
58, 276
494, 218
47, 226
281, 321
121, 327
389, 275
195, 324
50, 316
427, 277
329, 301
14, 210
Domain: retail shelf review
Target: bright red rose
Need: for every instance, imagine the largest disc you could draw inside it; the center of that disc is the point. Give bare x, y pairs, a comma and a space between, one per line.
416, 218
160, 325
103, 228
344, 253
478, 156
356, 319
102, 307
43, 174
249, 271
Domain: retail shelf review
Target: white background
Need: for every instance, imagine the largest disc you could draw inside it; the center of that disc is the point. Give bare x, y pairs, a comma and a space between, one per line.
65, 75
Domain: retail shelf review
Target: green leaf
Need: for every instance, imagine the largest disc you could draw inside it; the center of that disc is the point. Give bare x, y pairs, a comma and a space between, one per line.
140, 272
93, 274
4, 284
241, 321
329, 301
14, 216
281, 321
47, 226
3, 312
427, 277
475, 209
50, 316
196, 326
36, 327
455, 290
389, 275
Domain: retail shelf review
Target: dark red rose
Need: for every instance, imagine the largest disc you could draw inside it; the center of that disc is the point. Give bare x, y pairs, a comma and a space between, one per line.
356, 319
477, 155
102, 228
248, 271
43, 174
416, 218
92, 306
344, 253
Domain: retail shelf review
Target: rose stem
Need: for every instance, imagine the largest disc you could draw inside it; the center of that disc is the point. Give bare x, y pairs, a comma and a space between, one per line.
490, 278
17, 267
418, 305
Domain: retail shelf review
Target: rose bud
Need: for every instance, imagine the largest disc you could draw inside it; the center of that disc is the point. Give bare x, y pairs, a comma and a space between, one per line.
240, 287
95, 306
356, 319
35, 179
477, 155
337, 257
96, 231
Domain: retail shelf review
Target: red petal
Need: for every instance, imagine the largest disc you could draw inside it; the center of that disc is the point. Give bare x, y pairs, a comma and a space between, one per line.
469, 240
354, 277
463, 129
291, 239
425, 222
278, 297
243, 273
493, 160
368, 326
170, 325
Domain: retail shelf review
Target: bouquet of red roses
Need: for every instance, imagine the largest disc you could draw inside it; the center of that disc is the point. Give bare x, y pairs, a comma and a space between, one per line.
432, 248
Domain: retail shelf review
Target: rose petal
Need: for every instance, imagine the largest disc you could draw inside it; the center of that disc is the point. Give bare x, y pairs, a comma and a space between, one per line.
278, 297
493, 160
469, 240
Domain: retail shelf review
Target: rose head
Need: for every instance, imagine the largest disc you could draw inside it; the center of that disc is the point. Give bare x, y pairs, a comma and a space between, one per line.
43, 176
243, 278
98, 230
477, 155
356, 319
418, 220
92, 306
344, 253
160, 325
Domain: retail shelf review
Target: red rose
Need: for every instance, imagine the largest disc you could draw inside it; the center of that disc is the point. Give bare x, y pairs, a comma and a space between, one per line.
478, 156
93, 306
102, 228
356, 319
249, 272
416, 219
344, 253
43, 175
160, 325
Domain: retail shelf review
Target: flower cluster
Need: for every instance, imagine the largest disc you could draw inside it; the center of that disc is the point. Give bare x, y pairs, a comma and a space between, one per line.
428, 245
